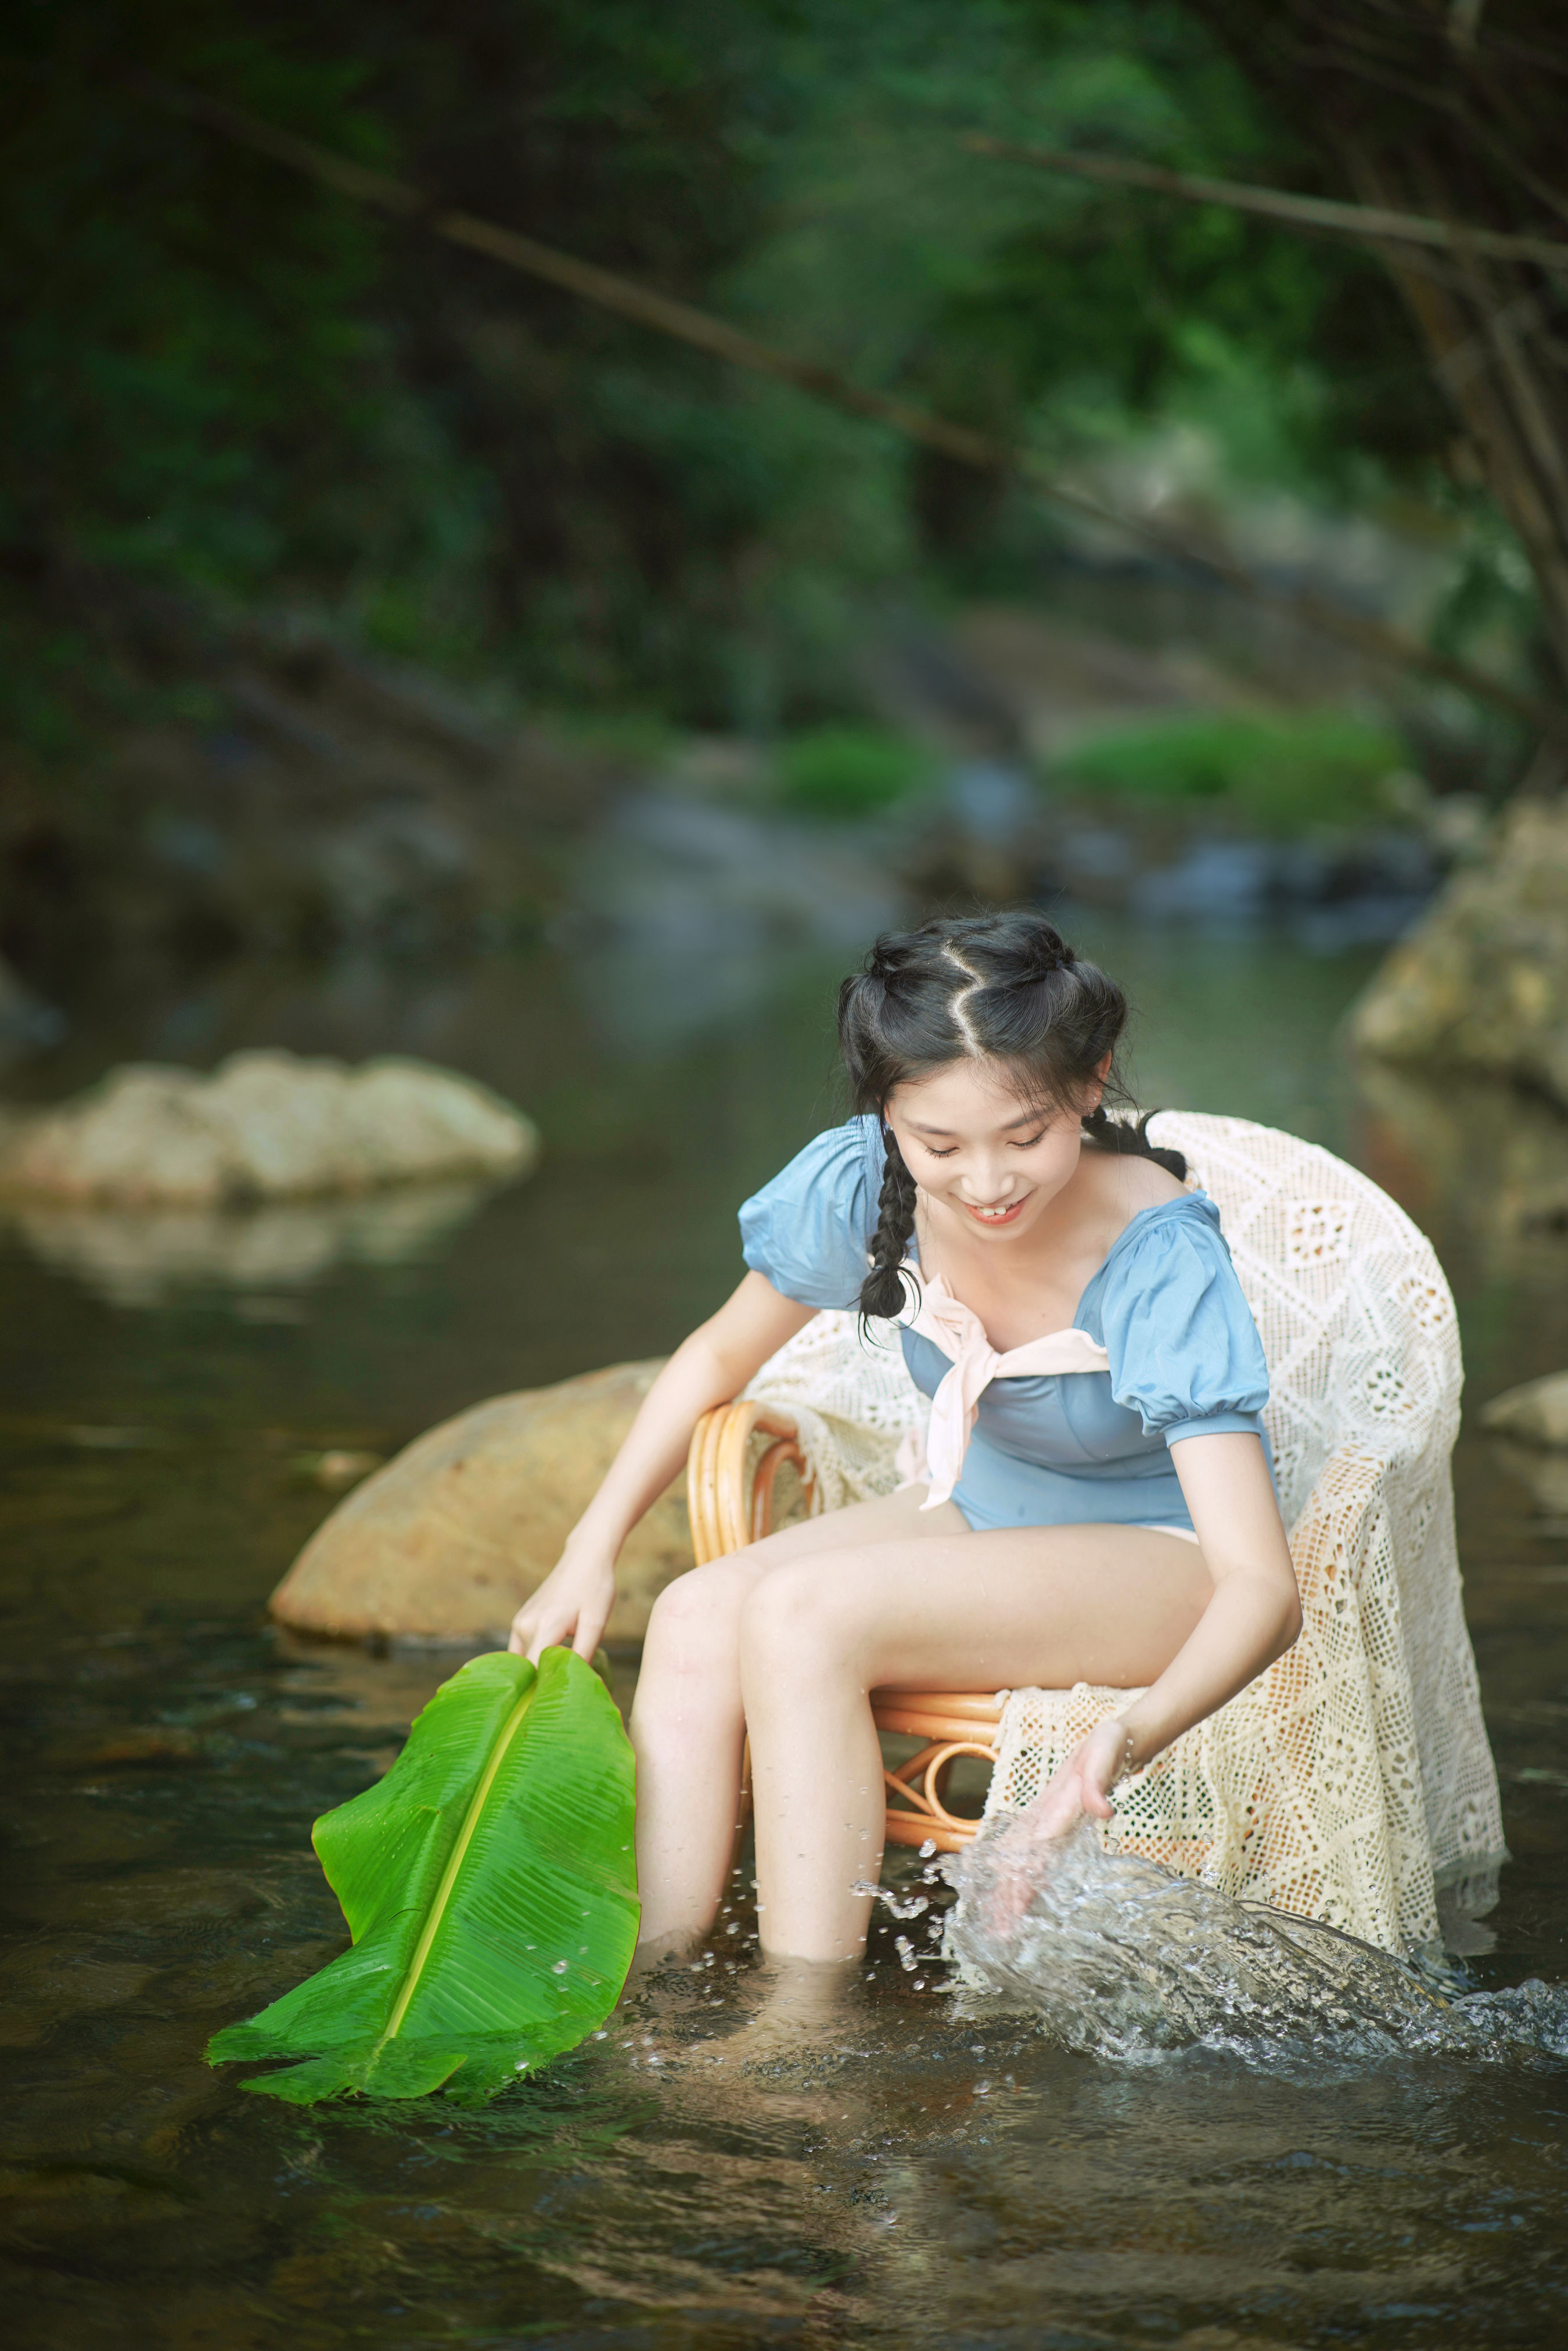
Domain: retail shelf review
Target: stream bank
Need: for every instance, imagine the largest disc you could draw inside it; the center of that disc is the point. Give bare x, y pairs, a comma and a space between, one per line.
312, 811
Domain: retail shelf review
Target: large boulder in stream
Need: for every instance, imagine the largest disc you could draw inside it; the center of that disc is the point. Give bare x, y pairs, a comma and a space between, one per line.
1481, 982
451, 1536
265, 1126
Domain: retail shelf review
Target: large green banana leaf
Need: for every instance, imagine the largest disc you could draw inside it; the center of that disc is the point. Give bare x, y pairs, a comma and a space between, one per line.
489, 1887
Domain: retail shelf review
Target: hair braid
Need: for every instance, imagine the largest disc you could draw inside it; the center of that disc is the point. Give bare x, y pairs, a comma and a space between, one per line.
883, 1291
1132, 1141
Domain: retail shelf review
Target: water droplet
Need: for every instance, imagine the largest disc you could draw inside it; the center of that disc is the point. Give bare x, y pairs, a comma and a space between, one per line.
912, 1907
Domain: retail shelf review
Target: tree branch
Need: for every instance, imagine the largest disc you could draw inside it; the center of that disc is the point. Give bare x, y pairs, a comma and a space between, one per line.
684, 323
1368, 223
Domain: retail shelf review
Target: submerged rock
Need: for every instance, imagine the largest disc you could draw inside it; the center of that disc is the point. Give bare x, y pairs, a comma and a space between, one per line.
1482, 980
1535, 1414
451, 1536
265, 1126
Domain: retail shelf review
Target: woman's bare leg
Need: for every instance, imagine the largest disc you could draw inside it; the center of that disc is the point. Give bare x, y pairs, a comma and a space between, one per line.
1041, 1605
687, 1721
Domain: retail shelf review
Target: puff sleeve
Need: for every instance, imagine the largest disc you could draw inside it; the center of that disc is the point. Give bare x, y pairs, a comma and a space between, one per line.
1184, 1350
809, 1231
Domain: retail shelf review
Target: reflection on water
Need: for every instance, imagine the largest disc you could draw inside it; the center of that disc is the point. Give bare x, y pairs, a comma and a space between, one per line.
140, 1256
1487, 1162
1542, 1474
918, 2177
689, 913
1484, 1171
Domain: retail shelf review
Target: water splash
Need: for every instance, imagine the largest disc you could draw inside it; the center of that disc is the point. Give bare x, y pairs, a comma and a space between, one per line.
901, 1905
1117, 1957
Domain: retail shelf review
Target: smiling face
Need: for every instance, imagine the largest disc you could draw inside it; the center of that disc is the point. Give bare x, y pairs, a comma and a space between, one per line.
971, 1143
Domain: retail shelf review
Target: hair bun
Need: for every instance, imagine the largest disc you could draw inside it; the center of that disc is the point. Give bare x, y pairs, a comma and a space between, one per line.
1047, 951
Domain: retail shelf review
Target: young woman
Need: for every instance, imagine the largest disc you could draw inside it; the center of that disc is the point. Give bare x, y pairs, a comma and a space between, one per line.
1099, 1504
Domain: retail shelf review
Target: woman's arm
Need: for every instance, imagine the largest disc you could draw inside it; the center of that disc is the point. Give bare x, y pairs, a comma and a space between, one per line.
1253, 1617
709, 1368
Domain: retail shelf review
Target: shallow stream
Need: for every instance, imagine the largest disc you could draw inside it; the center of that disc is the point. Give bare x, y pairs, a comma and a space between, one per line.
925, 2177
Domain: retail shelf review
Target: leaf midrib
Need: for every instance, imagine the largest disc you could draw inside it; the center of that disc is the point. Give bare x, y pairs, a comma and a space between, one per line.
442, 1898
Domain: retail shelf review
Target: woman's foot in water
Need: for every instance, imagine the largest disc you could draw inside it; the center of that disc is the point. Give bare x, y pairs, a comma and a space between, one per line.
799, 2009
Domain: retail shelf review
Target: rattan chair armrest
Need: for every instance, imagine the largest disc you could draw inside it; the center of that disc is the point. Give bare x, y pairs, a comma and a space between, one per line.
729, 1505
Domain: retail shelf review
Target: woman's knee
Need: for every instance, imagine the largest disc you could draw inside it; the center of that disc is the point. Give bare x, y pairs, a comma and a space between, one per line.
803, 1617
694, 1626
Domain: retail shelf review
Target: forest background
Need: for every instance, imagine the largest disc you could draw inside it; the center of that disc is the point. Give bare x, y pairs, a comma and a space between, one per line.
234, 392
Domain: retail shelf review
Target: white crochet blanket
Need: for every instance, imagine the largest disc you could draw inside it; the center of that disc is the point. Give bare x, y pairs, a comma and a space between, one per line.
1352, 1782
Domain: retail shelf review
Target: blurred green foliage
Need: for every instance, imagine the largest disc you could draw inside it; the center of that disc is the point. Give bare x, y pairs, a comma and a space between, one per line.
848, 771
227, 382
1285, 774
190, 367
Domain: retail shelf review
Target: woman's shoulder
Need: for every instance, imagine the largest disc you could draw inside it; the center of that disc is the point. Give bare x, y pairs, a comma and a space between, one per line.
1174, 1238
1126, 1189
1145, 1184
1169, 1309
809, 1230
1169, 1226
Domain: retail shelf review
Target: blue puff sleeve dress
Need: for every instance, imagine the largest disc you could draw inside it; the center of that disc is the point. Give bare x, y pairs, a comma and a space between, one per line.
1067, 1448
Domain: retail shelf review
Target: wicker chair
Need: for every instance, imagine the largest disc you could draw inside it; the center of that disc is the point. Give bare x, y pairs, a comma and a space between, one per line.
731, 1475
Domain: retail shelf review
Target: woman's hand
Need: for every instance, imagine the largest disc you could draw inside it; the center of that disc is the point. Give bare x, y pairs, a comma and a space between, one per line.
575, 1600
1018, 1860
1083, 1782
570, 1607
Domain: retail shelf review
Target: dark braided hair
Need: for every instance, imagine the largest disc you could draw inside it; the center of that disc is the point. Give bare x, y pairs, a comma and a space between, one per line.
1002, 987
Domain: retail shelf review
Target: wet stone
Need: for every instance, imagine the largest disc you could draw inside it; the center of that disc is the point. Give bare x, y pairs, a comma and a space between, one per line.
451, 1538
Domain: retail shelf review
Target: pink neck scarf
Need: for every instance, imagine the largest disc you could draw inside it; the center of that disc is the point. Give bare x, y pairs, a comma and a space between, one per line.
959, 1331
